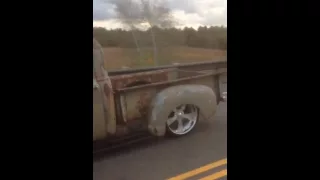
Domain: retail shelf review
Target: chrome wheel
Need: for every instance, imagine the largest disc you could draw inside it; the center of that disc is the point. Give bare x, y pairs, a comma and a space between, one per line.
182, 119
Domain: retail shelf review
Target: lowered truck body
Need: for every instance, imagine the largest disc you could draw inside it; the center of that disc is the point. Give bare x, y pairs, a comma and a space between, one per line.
161, 101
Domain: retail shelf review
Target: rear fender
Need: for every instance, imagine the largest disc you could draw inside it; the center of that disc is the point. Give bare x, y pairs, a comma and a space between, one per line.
168, 99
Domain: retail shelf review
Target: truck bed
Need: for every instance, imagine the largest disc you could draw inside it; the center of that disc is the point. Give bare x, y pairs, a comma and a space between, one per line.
134, 92
149, 77
198, 66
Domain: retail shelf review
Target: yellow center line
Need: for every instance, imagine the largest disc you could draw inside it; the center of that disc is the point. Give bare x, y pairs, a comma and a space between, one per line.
216, 175
200, 170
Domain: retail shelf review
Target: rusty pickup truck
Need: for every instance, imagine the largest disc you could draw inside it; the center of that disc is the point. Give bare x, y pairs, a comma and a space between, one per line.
164, 101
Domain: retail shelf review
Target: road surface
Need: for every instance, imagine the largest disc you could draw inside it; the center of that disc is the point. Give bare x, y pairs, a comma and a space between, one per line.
199, 155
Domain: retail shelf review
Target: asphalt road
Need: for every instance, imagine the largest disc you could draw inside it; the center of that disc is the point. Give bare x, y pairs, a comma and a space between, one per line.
200, 154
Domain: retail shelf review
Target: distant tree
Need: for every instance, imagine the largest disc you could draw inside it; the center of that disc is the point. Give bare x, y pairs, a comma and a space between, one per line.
204, 37
129, 14
153, 12
157, 14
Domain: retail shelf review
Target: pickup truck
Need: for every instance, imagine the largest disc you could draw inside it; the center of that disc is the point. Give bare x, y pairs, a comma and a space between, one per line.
163, 101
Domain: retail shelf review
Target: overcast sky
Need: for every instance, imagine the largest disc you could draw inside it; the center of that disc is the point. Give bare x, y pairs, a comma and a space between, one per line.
191, 13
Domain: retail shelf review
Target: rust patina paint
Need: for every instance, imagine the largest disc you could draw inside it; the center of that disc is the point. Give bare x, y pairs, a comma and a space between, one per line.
143, 103
122, 81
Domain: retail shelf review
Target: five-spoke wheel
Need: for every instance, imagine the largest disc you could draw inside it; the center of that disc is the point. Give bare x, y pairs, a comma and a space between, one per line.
182, 119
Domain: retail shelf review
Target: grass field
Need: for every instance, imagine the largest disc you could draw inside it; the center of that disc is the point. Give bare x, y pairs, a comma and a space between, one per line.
115, 58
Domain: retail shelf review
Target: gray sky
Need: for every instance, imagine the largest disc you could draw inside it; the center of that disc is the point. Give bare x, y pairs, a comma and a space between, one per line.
191, 13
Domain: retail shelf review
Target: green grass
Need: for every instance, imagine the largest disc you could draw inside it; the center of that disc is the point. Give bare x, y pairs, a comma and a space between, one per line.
115, 58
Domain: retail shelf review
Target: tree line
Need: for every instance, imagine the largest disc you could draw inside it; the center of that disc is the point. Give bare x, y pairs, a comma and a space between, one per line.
213, 37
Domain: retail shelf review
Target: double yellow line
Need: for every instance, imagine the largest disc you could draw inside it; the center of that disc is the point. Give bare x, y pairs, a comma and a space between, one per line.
202, 169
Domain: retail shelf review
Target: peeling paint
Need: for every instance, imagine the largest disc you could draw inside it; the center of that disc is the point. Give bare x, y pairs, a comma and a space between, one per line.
123, 81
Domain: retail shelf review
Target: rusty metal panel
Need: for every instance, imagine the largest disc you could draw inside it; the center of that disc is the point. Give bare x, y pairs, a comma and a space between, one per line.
122, 81
123, 116
185, 66
170, 83
207, 81
185, 74
137, 103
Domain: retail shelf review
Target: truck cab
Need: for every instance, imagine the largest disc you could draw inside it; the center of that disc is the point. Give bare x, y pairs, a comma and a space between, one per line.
104, 121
